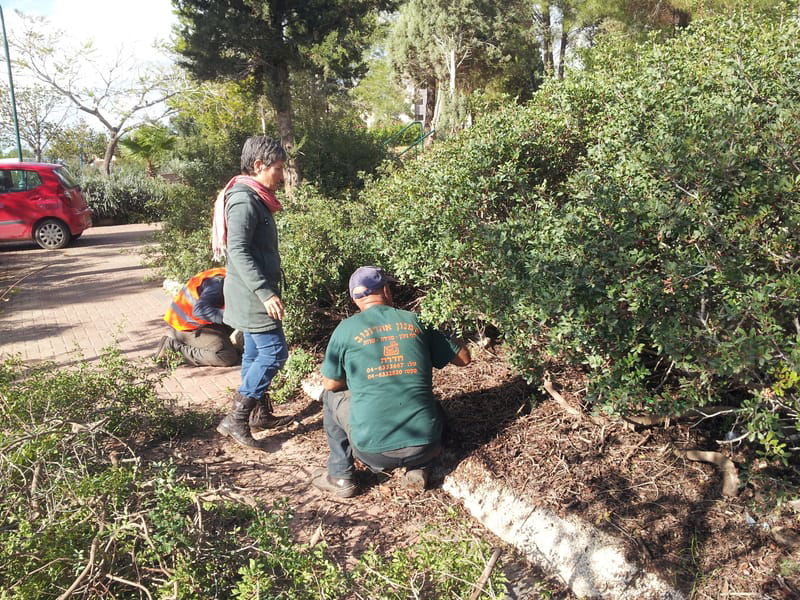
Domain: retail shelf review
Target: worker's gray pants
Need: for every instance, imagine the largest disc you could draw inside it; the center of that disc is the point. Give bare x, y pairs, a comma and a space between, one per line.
208, 346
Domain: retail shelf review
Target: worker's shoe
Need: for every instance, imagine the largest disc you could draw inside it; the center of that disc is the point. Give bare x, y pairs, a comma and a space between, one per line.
416, 479
261, 417
236, 423
341, 487
165, 346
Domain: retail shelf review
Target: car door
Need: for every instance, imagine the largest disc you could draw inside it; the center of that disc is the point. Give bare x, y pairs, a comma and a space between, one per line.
20, 202
13, 220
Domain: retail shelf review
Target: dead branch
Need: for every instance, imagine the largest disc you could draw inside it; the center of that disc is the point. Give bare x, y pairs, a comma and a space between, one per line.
315, 536
706, 412
730, 476
20, 280
631, 452
130, 583
487, 571
83, 574
550, 388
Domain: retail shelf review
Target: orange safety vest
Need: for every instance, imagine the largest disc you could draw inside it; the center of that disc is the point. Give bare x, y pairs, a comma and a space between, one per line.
180, 315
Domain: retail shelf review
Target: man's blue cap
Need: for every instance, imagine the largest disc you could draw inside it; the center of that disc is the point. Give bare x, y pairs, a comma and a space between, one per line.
368, 280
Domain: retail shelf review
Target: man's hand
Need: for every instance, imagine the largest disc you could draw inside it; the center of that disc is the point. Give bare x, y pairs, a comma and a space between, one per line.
334, 385
274, 308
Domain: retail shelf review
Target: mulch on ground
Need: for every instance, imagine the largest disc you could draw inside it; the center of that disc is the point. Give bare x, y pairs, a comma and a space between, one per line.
668, 511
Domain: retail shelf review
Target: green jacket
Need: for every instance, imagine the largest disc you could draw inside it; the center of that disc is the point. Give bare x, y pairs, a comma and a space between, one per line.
253, 261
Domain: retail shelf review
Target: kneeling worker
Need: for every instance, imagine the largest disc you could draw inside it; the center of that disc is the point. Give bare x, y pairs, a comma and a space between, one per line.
195, 315
388, 417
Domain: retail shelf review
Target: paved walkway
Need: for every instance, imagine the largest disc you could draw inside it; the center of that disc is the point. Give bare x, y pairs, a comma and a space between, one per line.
74, 302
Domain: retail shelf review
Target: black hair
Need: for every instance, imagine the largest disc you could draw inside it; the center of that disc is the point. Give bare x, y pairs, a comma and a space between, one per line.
260, 147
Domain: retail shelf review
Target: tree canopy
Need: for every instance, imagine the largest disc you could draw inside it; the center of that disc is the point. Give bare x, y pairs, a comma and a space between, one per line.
267, 41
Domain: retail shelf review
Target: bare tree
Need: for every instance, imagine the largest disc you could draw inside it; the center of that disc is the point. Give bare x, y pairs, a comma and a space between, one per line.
121, 93
41, 113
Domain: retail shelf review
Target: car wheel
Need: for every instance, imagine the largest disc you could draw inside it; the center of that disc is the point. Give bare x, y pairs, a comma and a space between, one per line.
51, 234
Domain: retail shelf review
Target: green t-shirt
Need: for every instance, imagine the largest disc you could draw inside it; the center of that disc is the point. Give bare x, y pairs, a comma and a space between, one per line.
387, 357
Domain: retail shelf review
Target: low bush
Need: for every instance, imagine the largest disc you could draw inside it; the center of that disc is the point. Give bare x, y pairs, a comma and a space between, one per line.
184, 241
287, 381
83, 514
336, 153
398, 135
126, 196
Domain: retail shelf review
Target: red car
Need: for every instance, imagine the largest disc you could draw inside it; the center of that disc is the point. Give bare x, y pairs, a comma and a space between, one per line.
42, 202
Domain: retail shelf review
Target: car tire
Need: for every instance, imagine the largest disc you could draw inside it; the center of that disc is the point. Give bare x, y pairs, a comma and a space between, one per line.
52, 234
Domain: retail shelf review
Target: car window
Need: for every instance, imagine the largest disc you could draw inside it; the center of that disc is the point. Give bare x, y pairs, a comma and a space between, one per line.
6, 184
32, 180
18, 180
15, 181
65, 177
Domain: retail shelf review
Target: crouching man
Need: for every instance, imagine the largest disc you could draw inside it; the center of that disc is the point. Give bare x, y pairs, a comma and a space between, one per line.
378, 402
198, 333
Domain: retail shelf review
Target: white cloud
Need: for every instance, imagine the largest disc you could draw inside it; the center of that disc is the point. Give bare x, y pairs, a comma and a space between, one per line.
112, 25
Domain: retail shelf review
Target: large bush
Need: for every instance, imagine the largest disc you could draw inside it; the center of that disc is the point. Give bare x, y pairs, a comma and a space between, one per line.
640, 219
335, 154
321, 244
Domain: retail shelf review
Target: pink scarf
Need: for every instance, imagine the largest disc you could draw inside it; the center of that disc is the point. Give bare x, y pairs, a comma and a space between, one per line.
219, 226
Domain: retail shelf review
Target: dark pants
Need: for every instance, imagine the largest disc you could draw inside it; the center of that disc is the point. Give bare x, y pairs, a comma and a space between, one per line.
208, 346
336, 420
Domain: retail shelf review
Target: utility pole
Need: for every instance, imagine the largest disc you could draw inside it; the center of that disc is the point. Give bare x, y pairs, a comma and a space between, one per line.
11, 85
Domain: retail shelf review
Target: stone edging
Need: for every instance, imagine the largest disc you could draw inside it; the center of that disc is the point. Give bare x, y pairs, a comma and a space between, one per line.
590, 562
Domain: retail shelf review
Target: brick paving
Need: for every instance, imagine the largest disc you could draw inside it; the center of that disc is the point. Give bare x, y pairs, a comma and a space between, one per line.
74, 302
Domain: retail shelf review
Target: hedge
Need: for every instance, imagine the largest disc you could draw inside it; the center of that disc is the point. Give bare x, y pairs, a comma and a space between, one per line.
639, 219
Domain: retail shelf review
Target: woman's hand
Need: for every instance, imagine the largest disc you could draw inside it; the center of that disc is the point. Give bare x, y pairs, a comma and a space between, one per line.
274, 308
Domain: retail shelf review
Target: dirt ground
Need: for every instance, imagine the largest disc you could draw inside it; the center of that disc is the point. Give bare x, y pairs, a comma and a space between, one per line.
632, 483
628, 481
384, 516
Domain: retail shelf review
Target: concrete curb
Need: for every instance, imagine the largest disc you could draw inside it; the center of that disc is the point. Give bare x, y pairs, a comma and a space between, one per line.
590, 562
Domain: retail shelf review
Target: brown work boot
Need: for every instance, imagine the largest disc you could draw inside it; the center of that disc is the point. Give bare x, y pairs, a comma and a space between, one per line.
341, 487
236, 423
165, 345
261, 417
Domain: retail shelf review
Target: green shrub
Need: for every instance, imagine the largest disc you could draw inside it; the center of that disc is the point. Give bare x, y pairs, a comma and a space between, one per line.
81, 509
640, 219
321, 245
431, 568
397, 135
184, 240
286, 382
336, 153
125, 196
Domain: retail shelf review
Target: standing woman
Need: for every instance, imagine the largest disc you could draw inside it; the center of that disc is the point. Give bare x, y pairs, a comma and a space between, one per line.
244, 227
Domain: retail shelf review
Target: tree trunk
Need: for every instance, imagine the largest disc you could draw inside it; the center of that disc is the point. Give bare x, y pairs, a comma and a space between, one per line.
110, 149
547, 41
451, 66
437, 109
562, 49
430, 103
280, 96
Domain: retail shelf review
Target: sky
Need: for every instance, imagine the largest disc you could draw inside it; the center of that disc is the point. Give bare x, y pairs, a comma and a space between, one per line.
133, 25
